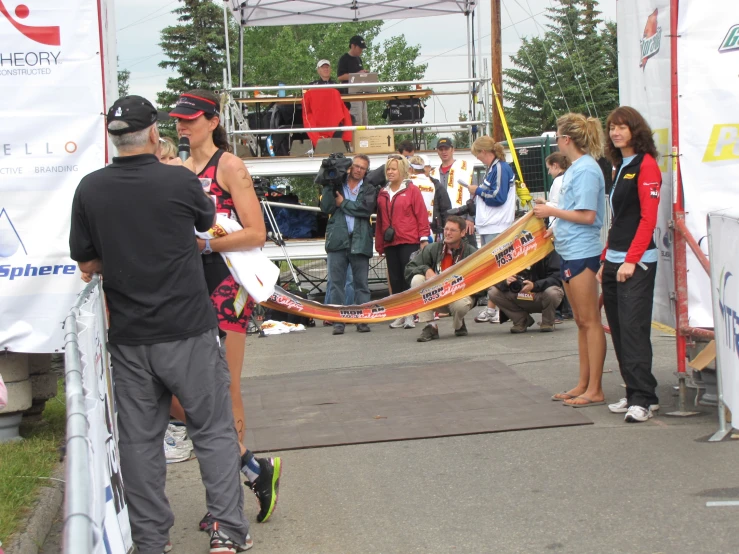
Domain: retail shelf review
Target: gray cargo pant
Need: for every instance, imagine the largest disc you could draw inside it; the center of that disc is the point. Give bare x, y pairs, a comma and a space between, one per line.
145, 379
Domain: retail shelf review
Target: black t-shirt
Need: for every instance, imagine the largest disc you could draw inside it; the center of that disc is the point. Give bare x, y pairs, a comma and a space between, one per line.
137, 216
348, 64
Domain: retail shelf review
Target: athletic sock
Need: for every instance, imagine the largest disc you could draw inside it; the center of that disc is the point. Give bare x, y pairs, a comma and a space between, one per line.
250, 466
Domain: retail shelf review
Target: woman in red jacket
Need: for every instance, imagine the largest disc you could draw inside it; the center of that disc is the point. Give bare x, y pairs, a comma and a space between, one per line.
629, 260
402, 226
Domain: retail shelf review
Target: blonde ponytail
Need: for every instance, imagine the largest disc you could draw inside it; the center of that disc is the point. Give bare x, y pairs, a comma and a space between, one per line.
594, 138
585, 133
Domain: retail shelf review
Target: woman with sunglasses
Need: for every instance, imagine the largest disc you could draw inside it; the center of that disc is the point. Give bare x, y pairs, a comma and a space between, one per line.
579, 216
630, 258
229, 182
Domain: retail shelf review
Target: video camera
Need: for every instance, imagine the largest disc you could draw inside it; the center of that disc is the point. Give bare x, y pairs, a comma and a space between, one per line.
333, 172
467, 209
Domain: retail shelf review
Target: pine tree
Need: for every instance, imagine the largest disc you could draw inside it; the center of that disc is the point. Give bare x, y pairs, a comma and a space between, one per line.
194, 49
573, 67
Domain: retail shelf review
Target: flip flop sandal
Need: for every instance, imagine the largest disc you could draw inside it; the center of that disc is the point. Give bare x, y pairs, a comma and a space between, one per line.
564, 396
588, 404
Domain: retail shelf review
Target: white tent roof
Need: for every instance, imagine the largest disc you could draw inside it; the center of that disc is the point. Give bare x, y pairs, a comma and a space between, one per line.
253, 13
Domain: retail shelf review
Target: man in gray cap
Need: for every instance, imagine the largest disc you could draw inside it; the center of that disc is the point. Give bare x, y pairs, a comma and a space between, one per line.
349, 63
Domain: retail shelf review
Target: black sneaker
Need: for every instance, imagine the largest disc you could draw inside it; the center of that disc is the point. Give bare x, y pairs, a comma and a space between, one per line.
462, 331
266, 487
206, 524
220, 543
338, 329
363, 328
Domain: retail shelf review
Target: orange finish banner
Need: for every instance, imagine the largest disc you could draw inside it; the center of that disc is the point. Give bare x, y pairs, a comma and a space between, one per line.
517, 248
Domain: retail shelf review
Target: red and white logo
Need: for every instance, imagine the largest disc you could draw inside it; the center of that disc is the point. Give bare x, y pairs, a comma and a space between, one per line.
48, 35
651, 39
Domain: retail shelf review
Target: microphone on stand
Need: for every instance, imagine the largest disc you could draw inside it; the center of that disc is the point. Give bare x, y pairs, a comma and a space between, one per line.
184, 149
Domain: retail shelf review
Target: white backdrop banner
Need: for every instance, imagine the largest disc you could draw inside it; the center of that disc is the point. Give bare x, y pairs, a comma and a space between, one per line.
644, 84
708, 64
51, 84
724, 229
112, 532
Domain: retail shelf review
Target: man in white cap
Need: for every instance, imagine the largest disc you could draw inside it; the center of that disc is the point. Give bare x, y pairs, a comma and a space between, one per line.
323, 67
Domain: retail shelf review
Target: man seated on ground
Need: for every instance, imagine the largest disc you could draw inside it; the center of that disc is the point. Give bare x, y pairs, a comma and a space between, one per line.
434, 259
538, 289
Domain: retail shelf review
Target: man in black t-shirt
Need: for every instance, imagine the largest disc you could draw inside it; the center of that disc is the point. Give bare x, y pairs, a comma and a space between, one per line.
349, 63
133, 223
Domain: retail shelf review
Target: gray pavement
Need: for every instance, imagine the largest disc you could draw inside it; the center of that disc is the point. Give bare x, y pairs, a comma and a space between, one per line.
610, 487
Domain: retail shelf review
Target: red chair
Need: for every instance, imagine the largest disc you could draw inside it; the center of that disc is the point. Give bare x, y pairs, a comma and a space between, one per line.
324, 108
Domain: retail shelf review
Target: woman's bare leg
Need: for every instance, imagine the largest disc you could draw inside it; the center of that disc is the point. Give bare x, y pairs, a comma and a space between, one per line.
582, 291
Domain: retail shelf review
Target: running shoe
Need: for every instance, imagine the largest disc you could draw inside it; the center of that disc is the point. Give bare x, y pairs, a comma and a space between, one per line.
410, 322
637, 414
398, 323
266, 487
220, 543
622, 406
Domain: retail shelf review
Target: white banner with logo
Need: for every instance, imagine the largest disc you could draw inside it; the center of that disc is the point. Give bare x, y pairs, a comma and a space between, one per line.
109, 510
708, 65
644, 84
724, 230
51, 85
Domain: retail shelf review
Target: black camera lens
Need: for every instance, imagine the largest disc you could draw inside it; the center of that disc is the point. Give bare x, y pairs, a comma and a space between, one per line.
516, 286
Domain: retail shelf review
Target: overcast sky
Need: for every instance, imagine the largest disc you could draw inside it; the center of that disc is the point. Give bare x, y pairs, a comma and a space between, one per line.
442, 39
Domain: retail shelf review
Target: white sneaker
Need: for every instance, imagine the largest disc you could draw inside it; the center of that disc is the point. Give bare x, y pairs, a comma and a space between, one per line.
398, 323
637, 414
483, 316
494, 316
409, 323
621, 407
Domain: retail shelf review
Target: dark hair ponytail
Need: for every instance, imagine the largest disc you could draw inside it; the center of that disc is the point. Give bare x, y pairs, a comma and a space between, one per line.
220, 137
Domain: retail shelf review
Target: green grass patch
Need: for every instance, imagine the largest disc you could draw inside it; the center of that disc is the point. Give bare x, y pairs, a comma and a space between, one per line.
25, 465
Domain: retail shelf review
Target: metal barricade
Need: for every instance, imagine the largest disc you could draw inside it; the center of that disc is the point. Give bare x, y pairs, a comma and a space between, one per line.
78, 517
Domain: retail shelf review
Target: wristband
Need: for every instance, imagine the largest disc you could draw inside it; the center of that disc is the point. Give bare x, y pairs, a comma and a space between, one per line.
207, 250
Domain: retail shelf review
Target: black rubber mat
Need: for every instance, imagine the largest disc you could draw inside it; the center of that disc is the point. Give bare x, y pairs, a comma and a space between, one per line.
354, 406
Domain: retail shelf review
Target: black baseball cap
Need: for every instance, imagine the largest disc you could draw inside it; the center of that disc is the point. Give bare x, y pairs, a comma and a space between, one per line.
137, 111
359, 41
190, 106
444, 142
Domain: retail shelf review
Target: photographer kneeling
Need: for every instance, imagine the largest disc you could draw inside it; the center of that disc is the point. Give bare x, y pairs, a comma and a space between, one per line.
538, 289
431, 261
348, 233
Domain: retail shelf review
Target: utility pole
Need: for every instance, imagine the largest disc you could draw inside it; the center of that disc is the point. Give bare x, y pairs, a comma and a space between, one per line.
496, 66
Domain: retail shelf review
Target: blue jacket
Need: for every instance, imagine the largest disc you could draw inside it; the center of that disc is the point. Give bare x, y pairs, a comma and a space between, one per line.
496, 185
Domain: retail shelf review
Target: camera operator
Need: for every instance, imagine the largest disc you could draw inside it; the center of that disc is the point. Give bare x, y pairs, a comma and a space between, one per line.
538, 289
349, 235
431, 261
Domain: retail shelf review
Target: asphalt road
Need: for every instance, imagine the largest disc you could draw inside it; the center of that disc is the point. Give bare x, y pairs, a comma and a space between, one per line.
610, 487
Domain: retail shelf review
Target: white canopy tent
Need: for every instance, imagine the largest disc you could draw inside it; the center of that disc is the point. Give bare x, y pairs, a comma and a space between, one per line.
254, 13
305, 12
